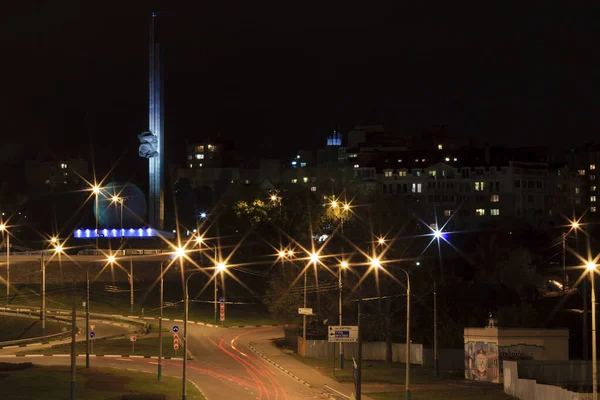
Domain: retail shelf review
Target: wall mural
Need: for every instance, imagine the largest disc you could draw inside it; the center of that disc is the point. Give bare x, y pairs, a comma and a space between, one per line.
481, 361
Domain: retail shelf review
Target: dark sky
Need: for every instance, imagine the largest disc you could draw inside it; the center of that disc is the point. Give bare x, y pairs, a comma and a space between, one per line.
279, 78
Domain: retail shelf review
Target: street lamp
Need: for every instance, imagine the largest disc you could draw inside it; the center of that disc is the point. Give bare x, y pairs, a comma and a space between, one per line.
185, 323
160, 321
314, 259
343, 265
4, 230
591, 268
179, 252
375, 263
381, 241
120, 201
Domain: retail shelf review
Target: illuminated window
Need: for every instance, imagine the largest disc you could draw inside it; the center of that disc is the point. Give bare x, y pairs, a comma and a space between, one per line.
401, 173
399, 160
387, 173
593, 208
200, 165
432, 173
63, 166
448, 213
592, 167
592, 199
191, 166
294, 180
417, 173
302, 164
47, 181
576, 190
440, 147
455, 159
305, 179
479, 186
495, 198
495, 211
423, 160
199, 156
581, 172
480, 212
447, 159
592, 177
65, 173
592, 188
416, 188
313, 188
200, 148
356, 165
212, 148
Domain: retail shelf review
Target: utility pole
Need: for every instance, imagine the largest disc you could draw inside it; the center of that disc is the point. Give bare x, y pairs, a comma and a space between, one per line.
73, 333
436, 360
43, 308
87, 317
130, 280
564, 261
359, 366
304, 316
160, 321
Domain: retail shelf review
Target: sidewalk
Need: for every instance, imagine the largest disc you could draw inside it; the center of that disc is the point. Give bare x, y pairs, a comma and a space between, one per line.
308, 374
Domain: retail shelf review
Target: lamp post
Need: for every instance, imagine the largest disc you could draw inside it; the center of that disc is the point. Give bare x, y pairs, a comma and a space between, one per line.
375, 263
160, 321
314, 259
4, 231
185, 323
591, 267
120, 201
219, 268
343, 265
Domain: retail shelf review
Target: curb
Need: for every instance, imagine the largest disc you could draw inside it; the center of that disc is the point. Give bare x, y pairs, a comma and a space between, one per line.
91, 355
279, 366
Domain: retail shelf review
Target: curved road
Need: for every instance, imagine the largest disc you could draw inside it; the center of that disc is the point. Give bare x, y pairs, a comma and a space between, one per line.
223, 366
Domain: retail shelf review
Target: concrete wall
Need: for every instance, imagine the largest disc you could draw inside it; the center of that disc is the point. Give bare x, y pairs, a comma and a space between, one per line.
371, 350
529, 389
450, 359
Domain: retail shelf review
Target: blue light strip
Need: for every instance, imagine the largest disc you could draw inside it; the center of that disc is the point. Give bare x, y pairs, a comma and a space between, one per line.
115, 233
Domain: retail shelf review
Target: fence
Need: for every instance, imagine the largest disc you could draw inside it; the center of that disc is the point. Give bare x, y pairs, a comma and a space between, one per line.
450, 359
520, 380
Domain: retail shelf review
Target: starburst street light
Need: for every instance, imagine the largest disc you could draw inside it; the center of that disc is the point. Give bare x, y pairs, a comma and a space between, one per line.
575, 224
334, 204
111, 259
590, 266
282, 253
2, 227
346, 207
344, 264
314, 258
199, 239
381, 241
96, 189
290, 253
53, 240
58, 249
437, 233
221, 267
375, 263
179, 252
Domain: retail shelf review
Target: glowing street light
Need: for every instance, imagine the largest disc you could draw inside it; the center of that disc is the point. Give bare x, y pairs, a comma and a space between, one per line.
58, 249
96, 189
179, 252
282, 253
314, 258
591, 267
53, 240
221, 267
346, 207
199, 239
375, 263
274, 197
290, 253
344, 264
334, 204
575, 225
437, 234
115, 199
111, 259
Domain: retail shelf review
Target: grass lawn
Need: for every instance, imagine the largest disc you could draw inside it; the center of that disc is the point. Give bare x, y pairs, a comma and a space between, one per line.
53, 383
14, 328
118, 303
379, 371
450, 394
146, 346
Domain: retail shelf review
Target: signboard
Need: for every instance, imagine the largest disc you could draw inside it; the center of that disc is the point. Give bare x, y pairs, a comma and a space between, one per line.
175, 342
221, 299
338, 334
222, 312
132, 338
92, 326
175, 328
92, 335
305, 311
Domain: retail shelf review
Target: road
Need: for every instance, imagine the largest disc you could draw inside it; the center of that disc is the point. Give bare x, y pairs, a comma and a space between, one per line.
223, 366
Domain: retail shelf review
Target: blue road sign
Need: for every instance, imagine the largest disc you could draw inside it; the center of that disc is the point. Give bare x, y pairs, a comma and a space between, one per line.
342, 334
92, 335
222, 300
175, 328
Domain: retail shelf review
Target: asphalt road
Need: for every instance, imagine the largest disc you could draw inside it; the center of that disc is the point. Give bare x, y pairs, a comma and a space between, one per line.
223, 366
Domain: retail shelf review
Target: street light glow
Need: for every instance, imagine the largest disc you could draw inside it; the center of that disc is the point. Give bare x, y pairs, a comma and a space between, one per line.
221, 266
290, 253
180, 252
273, 197
575, 224
334, 204
111, 259
281, 253
346, 207
53, 240
344, 264
116, 199
96, 189
199, 239
2, 227
58, 249
375, 263
590, 266
314, 258
437, 233
381, 241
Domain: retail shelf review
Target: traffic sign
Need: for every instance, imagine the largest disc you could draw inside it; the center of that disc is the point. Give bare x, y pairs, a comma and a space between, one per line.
221, 299
222, 314
175, 336
175, 346
343, 333
92, 335
175, 328
132, 338
305, 311
92, 326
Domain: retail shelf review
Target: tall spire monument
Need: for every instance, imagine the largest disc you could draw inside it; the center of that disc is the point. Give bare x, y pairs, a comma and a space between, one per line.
152, 142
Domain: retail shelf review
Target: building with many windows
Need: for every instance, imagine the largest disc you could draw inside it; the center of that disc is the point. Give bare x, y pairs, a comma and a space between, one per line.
585, 161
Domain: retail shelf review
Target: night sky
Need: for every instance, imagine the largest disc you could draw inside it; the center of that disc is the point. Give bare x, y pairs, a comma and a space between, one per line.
278, 78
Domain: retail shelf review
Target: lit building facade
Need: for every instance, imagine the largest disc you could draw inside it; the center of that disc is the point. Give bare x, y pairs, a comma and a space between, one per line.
585, 162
